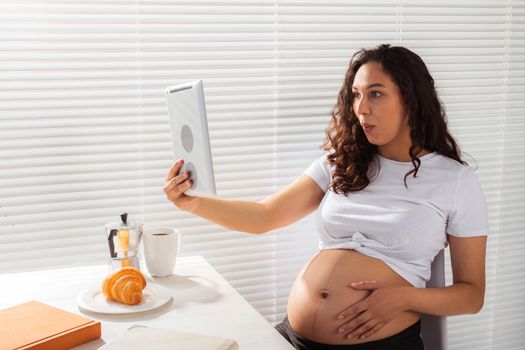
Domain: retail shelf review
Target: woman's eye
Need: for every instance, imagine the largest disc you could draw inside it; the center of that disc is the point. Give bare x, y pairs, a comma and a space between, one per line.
372, 94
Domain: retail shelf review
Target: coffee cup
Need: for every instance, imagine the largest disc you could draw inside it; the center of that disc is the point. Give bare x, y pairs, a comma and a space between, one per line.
161, 246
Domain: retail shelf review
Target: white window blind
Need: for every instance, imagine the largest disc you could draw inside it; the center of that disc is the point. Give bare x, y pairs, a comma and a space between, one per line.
508, 328
84, 132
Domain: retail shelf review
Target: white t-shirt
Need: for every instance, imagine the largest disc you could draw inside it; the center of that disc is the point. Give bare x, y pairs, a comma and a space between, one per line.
404, 227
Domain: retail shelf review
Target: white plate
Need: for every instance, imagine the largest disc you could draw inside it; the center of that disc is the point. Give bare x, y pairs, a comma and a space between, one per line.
154, 296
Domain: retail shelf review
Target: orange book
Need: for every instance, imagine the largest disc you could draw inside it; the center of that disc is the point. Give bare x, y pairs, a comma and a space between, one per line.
38, 326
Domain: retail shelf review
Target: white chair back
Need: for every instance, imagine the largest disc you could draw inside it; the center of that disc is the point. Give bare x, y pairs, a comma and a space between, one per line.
434, 328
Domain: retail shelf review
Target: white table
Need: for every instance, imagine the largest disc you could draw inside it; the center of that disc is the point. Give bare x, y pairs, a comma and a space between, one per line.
203, 302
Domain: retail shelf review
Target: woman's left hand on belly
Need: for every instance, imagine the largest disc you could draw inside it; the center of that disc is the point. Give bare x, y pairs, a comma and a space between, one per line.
374, 312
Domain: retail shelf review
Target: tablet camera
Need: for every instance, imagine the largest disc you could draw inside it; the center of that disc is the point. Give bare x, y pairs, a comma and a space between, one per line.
193, 174
187, 138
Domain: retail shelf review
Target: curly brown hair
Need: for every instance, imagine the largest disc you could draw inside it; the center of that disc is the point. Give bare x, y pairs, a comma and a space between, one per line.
345, 139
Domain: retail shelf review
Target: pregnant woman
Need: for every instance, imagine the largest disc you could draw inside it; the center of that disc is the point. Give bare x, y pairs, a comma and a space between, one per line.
391, 191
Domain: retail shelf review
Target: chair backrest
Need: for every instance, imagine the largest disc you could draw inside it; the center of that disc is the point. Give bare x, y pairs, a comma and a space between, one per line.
434, 328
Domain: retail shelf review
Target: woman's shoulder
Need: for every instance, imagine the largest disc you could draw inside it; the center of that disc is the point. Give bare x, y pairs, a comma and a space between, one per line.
448, 164
446, 169
325, 162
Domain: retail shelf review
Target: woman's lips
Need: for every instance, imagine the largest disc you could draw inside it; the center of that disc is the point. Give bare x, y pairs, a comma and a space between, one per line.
368, 127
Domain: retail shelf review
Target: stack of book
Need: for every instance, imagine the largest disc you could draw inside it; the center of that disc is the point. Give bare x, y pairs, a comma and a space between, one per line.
37, 326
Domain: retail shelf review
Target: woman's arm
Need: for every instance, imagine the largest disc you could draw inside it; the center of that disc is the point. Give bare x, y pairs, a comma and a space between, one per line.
464, 296
467, 293
288, 205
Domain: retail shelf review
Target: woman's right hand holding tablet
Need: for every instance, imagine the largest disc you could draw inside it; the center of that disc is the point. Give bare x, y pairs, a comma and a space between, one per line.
176, 185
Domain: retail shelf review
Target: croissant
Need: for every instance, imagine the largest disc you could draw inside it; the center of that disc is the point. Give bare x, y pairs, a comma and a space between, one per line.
125, 286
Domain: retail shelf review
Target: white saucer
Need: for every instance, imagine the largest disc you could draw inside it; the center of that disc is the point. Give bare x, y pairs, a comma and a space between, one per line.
154, 296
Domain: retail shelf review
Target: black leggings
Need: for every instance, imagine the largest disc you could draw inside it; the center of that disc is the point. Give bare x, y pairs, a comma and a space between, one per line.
407, 339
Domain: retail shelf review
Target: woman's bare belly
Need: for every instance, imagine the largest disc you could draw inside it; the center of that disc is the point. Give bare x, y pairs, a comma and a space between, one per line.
321, 292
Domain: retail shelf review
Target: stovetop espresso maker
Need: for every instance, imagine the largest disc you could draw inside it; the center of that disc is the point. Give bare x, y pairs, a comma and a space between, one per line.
123, 241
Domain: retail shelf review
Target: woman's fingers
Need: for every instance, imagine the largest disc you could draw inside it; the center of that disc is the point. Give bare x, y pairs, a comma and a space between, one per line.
177, 185
174, 170
176, 194
180, 189
177, 180
372, 331
366, 327
353, 310
354, 323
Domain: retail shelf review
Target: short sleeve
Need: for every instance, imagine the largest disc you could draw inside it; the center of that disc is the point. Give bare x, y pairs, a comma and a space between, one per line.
321, 172
468, 216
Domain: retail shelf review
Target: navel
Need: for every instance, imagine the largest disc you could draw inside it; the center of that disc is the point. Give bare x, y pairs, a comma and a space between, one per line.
324, 294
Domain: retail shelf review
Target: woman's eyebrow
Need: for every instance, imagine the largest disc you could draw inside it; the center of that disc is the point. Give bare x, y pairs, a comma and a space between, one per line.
370, 86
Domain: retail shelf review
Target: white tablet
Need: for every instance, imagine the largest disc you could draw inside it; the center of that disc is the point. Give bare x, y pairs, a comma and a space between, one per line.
189, 135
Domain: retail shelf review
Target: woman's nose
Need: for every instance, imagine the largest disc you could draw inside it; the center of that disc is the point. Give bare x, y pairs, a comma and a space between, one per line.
361, 106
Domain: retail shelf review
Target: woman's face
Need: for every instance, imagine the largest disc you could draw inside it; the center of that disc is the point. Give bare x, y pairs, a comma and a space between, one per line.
380, 108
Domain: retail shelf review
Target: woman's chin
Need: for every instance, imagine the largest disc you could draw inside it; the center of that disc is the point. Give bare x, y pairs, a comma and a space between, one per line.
374, 141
